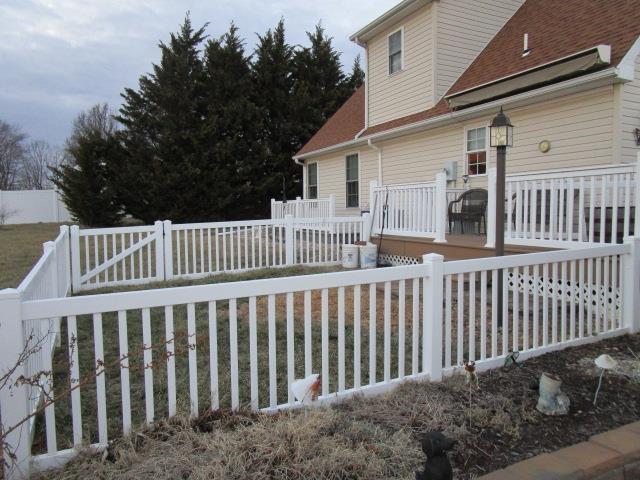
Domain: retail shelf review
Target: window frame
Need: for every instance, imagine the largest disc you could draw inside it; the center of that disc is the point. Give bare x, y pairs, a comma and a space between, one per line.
347, 181
466, 151
317, 184
401, 31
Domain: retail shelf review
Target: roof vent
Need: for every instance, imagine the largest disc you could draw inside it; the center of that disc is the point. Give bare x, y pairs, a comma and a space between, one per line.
525, 49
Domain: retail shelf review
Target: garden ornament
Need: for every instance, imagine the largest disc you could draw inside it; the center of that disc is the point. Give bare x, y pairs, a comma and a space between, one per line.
472, 376
437, 466
552, 400
306, 389
604, 362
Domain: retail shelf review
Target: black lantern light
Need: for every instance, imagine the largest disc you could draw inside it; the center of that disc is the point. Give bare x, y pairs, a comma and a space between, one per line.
501, 131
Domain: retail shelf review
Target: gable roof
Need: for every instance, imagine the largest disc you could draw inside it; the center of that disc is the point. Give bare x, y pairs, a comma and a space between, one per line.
556, 29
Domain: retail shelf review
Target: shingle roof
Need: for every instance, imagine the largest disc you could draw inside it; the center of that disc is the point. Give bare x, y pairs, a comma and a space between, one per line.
343, 126
556, 28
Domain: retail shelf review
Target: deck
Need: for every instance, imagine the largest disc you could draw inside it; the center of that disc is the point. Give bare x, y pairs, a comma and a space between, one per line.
458, 247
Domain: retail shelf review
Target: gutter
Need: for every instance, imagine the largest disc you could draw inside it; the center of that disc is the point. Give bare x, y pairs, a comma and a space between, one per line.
478, 110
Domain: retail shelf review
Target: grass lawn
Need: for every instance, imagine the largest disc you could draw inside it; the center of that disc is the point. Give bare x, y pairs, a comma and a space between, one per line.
20, 249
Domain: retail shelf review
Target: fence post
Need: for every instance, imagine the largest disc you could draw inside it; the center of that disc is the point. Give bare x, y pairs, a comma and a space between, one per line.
75, 258
332, 205
14, 402
168, 249
441, 207
298, 206
159, 234
636, 219
366, 227
631, 285
432, 316
289, 243
490, 217
273, 208
64, 229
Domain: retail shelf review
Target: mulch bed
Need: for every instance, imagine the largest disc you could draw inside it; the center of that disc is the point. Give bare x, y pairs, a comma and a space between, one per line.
498, 425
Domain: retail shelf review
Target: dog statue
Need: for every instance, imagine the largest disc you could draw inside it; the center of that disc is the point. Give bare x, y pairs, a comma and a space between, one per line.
437, 467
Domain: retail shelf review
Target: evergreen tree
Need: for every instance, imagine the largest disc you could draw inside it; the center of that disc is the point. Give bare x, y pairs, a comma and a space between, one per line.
84, 184
232, 124
161, 178
273, 86
321, 86
356, 79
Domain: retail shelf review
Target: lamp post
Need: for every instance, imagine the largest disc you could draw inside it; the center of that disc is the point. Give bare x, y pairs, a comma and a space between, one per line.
501, 137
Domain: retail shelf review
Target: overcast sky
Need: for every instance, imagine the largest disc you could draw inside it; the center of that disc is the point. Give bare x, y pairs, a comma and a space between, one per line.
58, 57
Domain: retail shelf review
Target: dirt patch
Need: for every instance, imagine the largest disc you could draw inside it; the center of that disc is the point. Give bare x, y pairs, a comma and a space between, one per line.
495, 425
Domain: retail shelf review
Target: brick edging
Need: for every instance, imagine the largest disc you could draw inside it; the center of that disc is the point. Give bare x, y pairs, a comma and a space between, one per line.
613, 455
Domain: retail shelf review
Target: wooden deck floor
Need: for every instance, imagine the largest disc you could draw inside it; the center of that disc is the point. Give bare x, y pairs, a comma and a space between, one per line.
458, 247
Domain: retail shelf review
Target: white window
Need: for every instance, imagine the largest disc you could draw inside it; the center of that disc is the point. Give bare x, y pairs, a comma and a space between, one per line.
395, 52
476, 151
352, 181
312, 181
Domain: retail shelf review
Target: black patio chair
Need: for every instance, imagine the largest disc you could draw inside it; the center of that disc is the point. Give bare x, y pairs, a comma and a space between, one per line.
469, 207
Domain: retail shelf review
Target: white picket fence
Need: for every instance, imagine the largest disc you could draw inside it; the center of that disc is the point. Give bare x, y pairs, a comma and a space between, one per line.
135, 255
304, 208
49, 278
363, 331
553, 208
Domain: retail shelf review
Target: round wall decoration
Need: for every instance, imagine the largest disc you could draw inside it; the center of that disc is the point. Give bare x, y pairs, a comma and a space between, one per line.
544, 146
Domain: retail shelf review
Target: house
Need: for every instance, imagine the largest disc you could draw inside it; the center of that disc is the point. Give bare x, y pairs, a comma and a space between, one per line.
437, 71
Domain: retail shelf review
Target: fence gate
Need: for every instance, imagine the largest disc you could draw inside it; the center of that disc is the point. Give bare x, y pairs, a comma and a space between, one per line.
116, 256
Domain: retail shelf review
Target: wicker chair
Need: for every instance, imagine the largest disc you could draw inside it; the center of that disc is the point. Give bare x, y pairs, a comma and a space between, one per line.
469, 207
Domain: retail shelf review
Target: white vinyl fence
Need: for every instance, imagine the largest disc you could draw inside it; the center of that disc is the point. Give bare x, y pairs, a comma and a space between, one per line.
33, 206
304, 208
135, 255
243, 343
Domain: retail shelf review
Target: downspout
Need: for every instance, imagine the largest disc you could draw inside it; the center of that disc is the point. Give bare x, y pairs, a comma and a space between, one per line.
379, 150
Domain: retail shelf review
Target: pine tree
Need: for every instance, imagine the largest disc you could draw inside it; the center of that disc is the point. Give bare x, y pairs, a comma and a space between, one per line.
84, 184
356, 79
161, 178
321, 86
279, 137
232, 123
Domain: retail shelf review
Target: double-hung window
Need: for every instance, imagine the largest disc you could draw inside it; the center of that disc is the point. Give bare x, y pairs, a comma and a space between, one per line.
395, 52
312, 180
476, 151
352, 181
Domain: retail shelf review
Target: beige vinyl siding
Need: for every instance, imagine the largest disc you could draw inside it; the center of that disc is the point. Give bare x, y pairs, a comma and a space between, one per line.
630, 112
464, 28
410, 90
332, 178
579, 127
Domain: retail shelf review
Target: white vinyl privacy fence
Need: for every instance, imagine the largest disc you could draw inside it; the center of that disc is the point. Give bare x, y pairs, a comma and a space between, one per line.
33, 206
243, 343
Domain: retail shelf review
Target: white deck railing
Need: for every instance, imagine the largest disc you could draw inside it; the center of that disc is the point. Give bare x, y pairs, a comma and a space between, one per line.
436, 315
555, 208
304, 208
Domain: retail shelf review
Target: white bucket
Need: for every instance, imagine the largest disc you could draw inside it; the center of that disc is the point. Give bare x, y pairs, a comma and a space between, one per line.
350, 256
369, 255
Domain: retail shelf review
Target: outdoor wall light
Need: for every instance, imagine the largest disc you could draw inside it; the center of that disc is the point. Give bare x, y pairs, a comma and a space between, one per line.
501, 131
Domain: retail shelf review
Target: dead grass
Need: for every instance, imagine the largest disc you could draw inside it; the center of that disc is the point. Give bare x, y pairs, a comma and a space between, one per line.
20, 249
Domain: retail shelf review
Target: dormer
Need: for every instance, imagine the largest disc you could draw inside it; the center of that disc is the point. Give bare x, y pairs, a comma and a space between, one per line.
417, 50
